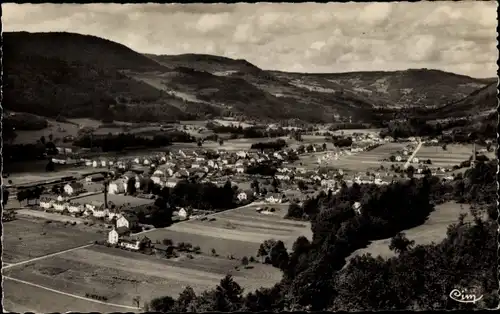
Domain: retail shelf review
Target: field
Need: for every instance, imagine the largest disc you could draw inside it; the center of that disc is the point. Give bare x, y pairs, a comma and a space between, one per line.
57, 129
433, 230
24, 238
238, 232
21, 178
229, 145
453, 155
22, 298
121, 275
363, 161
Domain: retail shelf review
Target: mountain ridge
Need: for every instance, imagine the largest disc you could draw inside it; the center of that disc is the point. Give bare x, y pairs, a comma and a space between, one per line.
112, 80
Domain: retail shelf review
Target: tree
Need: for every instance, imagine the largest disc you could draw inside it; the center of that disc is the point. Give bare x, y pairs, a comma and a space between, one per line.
444, 147
221, 142
42, 139
324, 146
279, 255
186, 298
167, 242
5, 196
50, 166
400, 244
131, 189
199, 143
51, 137
302, 185
228, 295
162, 304
410, 171
244, 261
214, 252
295, 211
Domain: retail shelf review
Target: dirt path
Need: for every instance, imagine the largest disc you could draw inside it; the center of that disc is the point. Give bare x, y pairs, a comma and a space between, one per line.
407, 163
70, 295
46, 256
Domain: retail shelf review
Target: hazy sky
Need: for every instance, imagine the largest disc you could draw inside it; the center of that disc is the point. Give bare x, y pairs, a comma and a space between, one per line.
333, 37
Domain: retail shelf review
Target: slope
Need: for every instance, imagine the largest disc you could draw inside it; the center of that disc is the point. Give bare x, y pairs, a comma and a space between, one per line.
98, 52
397, 89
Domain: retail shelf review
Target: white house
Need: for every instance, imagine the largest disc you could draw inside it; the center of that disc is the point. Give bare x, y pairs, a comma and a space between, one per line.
46, 203
137, 161
130, 244
240, 170
195, 166
117, 187
274, 199
241, 154
128, 221
94, 164
182, 213
211, 163
242, 196
73, 188
170, 183
88, 163
75, 208
398, 158
113, 237
415, 160
60, 206
103, 163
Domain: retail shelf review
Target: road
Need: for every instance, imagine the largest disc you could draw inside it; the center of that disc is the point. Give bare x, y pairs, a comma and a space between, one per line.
407, 163
71, 295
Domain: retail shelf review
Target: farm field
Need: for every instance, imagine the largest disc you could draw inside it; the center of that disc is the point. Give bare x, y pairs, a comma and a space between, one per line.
23, 239
238, 232
453, 155
20, 178
229, 145
363, 161
97, 268
22, 298
433, 230
49, 216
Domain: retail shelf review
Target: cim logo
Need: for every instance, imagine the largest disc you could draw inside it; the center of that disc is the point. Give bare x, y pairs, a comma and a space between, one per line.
463, 296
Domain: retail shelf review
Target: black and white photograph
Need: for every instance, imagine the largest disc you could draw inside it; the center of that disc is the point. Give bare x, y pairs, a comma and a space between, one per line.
249, 157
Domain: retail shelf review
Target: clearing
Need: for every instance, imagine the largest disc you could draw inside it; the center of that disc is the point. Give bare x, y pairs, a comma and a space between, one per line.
24, 239
453, 155
433, 230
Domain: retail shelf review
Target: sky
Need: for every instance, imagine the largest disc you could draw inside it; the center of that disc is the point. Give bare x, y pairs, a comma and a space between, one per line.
458, 37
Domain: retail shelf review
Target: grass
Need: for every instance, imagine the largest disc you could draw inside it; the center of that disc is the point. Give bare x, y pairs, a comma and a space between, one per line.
96, 269
23, 239
433, 230
58, 129
23, 298
453, 155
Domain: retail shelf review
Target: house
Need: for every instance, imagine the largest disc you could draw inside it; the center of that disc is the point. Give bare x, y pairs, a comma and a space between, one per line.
115, 235
60, 206
75, 208
73, 188
95, 178
46, 203
94, 164
242, 196
163, 249
415, 160
399, 158
273, 198
240, 170
117, 187
357, 207
127, 220
103, 163
134, 243
170, 183
182, 213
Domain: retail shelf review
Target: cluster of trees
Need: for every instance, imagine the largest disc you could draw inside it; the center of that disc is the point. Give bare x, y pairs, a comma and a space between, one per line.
316, 276
275, 145
29, 195
121, 141
348, 126
341, 141
264, 169
463, 130
250, 132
